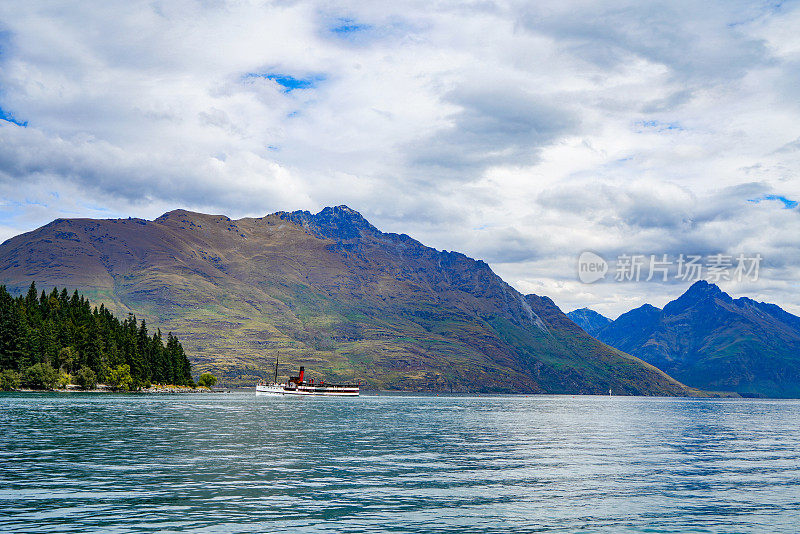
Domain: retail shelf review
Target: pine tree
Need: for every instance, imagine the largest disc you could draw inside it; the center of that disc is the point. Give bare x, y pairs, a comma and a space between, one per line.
32, 298
49, 343
42, 332
9, 332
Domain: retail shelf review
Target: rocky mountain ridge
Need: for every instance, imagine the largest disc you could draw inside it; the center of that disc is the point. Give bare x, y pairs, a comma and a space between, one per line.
708, 339
328, 291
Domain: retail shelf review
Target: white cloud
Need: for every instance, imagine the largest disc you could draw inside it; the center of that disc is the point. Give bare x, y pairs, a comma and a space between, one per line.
522, 133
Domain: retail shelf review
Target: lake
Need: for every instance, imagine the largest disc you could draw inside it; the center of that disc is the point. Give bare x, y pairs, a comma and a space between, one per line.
82, 462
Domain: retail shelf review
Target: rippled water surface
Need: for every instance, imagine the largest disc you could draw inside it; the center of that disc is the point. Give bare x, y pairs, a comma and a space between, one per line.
240, 463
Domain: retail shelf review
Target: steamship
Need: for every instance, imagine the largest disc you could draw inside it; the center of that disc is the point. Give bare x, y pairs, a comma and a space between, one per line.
298, 386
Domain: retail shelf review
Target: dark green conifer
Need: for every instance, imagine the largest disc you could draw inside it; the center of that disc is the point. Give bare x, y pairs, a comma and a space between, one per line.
44, 332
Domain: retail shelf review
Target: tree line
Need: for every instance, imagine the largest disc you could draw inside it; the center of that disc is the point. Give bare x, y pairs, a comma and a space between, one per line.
48, 341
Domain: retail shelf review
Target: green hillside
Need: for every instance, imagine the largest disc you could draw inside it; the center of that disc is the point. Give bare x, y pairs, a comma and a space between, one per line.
328, 291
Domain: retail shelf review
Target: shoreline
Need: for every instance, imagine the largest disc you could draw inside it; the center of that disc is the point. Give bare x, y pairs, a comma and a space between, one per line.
168, 390
106, 389
173, 389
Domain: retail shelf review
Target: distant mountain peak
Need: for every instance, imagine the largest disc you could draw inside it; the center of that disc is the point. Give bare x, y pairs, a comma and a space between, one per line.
588, 319
700, 291
709, 340
644, 313
182, 215
176, 213
343, 208
337, 222
703, 287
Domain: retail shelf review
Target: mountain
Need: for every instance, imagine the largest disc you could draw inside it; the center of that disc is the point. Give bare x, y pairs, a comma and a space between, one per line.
632, 329
591, 321
328, 291
709, 340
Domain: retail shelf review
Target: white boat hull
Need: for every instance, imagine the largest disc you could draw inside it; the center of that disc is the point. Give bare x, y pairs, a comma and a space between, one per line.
308, 390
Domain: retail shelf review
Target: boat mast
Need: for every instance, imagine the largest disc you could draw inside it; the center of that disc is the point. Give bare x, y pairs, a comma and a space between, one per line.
276, 369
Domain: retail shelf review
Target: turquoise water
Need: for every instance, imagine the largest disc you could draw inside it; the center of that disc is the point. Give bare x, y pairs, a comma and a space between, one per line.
240, 463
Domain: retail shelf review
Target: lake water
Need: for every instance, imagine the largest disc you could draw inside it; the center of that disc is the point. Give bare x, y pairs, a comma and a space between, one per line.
240, 463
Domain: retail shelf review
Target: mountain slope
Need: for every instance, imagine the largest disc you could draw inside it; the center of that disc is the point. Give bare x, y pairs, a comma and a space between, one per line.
709, 340
331, 292
632, 329
591, 321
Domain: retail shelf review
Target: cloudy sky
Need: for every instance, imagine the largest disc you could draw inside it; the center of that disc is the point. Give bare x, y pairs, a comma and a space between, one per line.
522, 133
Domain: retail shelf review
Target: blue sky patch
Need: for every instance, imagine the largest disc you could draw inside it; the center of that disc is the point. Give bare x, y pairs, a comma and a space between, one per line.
660, 126
5, 42
289, 82
345, 27
9, 117
787, 203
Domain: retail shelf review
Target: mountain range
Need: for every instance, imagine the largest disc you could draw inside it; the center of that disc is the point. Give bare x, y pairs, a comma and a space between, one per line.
591, 321
709, 340
328, 291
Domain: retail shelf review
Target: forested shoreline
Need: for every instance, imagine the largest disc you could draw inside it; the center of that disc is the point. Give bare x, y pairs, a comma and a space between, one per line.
48, 341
